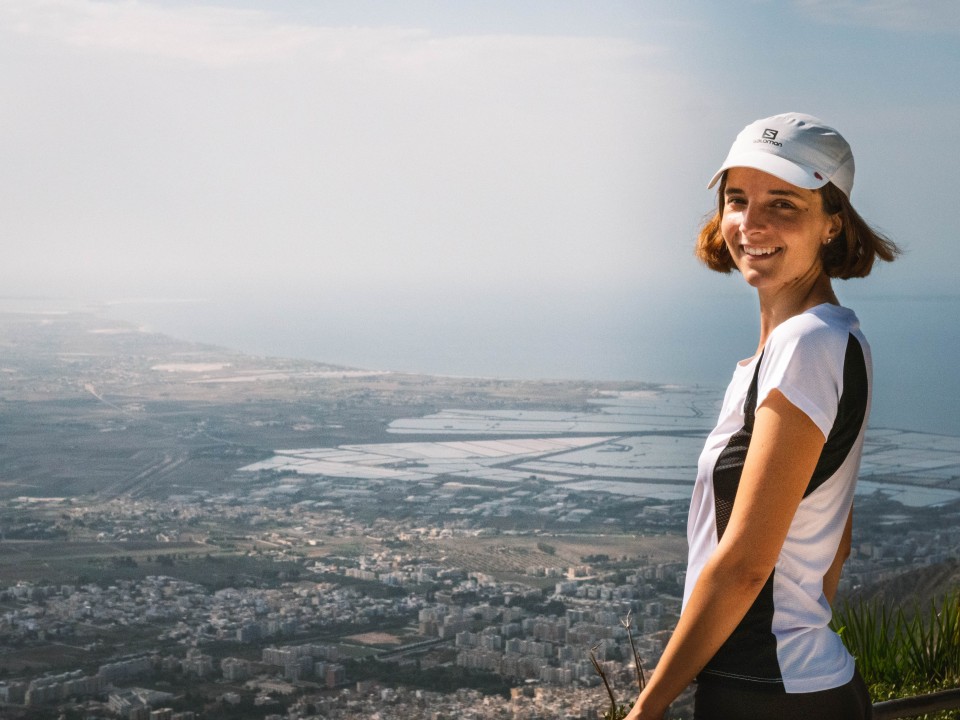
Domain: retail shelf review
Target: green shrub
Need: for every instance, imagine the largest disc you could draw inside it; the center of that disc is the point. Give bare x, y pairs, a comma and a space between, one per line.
900, 653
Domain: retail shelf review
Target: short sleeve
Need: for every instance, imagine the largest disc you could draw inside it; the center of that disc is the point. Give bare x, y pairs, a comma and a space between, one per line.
803, 359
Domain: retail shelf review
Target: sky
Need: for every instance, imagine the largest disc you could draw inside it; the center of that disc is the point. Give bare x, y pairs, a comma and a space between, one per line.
526, 158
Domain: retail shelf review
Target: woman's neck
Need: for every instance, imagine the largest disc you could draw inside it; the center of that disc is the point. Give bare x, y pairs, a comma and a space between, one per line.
776, 308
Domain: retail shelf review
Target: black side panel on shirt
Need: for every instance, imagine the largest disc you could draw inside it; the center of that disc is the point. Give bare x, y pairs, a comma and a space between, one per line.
752, 647
729, 466
751, 650
850, 414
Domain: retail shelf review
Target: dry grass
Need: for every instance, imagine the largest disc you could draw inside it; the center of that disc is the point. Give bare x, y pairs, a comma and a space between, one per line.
514, 554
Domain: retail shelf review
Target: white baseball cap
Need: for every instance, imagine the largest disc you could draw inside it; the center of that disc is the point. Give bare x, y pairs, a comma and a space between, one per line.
796, 148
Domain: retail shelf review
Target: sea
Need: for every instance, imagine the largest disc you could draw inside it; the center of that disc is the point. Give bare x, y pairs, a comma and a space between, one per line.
567, 335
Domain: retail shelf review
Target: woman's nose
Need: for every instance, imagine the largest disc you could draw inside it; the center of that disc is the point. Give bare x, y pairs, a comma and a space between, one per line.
751, 218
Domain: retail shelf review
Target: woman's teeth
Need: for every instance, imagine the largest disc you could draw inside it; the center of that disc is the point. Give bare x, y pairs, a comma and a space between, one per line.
760, 251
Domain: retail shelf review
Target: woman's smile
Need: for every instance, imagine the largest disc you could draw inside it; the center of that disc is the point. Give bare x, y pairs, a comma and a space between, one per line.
759, 252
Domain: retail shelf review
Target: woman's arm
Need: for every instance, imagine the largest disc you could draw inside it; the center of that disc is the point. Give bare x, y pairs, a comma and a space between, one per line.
779, 464
832, 579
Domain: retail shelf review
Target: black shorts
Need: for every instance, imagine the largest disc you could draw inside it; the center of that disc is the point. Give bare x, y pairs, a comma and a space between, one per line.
730, 700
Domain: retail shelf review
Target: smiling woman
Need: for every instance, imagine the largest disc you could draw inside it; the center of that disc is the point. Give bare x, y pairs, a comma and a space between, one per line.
770, 519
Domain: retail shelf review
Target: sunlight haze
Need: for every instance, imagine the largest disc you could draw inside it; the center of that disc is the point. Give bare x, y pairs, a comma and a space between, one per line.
465, 165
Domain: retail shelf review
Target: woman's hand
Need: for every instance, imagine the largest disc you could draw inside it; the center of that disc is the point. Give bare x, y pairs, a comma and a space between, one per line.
642, 711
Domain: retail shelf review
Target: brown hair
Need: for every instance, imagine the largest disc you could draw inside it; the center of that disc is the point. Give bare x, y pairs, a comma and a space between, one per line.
851, 253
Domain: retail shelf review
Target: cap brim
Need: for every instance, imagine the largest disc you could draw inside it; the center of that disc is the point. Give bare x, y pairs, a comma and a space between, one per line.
786, 170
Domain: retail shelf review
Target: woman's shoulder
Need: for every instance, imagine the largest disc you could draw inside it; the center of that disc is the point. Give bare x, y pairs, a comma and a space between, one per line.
818, 336
805, 358
820, 324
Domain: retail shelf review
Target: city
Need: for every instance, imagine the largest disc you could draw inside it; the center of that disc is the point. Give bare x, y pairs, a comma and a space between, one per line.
192, 533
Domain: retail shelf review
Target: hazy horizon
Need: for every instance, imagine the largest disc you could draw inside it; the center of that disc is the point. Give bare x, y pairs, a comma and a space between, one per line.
615, 337
487, 186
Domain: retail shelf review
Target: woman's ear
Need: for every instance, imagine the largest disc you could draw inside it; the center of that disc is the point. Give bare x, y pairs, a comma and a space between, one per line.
836, 226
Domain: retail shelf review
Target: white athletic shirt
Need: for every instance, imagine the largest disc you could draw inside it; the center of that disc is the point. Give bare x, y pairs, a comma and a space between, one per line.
820, 361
